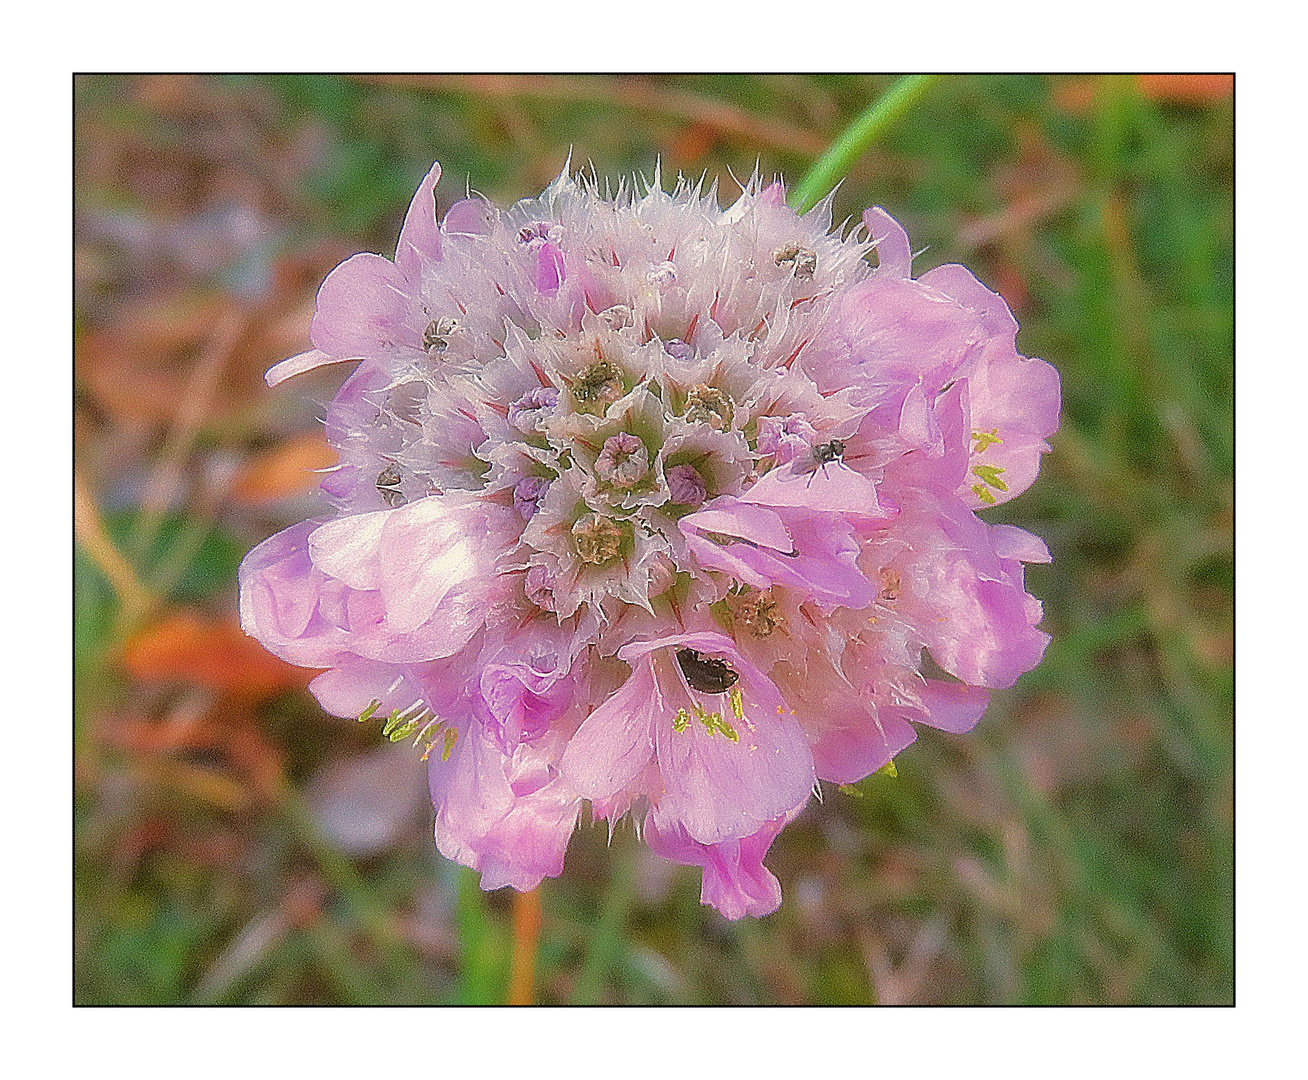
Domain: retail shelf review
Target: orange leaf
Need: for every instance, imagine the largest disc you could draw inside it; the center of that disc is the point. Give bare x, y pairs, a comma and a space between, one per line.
1078, 94
284, 471
209, 653
1187, 89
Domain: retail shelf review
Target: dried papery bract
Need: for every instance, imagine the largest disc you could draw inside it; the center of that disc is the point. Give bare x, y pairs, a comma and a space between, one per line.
658, 505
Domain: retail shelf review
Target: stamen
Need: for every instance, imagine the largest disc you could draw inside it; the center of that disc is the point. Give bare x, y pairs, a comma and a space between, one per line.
436, 338
990, 474
451, 737
890, 585
737, 703
600, 385
758, 612
388, 486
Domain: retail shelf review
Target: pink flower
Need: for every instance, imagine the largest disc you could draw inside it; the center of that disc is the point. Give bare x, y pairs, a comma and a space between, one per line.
656, 505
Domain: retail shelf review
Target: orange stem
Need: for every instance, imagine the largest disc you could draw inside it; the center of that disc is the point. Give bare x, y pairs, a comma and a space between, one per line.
526, 935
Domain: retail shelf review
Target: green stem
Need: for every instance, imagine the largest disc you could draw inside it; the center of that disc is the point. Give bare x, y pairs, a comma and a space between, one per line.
606, 945
482, 962
841, 155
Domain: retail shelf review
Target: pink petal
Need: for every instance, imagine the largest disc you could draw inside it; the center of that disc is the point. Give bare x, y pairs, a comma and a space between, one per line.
549, 269
953, 707
718, 789
471, 217
735, 880
959, 283
1014, 543
834, 488
362, 308
420, 236
432, 547
616, 741
894, 256
529, 842
735, 517
471, 793
296, 365
347, 548
352, 687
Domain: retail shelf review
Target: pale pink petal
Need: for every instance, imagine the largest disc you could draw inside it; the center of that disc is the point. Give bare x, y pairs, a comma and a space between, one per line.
435, 546
894, 256
719, 788
1014, 543
549, 269
420, 237
735, 880
470, 791
529, 842
833, 488
362, 309
347, 548
297, 365
616, 741
959, 283
471, 217
952, 707
735, 517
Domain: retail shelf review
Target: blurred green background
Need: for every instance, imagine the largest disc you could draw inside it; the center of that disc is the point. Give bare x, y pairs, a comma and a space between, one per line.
234, 845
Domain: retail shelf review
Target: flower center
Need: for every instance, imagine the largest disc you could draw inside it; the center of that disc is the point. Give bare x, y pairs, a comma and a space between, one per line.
601, 384
598, 539
524, 412
527, 493
708, 405
758, 612
436, 338
801, 260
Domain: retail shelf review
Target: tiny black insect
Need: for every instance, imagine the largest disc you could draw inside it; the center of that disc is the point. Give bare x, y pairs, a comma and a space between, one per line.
824, 454
827, 452
436, 337
388, 486
802, 261
707, 674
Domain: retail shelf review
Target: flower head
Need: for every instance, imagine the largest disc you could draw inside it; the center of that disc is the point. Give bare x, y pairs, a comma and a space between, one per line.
658, 505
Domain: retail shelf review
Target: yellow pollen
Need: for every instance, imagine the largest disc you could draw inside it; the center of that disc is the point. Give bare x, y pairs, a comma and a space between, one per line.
737, 703
985, 438
981, 493
451, 737
681, 721
990, 474
431, 734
